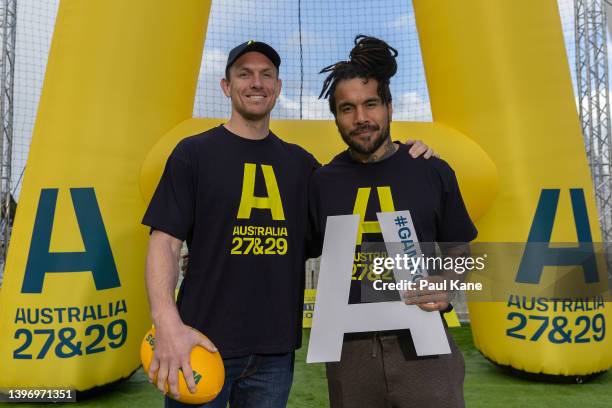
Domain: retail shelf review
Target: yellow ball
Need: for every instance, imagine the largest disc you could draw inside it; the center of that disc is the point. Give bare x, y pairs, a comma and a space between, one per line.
208, 371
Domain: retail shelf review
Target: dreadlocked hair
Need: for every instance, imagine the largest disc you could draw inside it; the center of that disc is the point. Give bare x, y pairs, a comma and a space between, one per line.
369, 58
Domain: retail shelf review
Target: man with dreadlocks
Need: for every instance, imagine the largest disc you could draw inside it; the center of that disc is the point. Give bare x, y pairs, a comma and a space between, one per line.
381, 369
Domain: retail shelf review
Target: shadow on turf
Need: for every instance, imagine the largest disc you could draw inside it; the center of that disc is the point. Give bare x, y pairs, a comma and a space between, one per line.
121, 384
543, 378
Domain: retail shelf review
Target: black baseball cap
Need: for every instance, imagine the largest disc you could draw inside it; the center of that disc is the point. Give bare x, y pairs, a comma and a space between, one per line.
256, 46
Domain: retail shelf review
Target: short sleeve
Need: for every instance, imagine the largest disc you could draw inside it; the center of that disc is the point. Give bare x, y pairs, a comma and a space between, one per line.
454, 224
314, 235
314, 164
171, 209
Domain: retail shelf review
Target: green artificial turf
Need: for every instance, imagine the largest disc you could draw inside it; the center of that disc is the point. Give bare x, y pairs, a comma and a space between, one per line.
490, 386
486, 385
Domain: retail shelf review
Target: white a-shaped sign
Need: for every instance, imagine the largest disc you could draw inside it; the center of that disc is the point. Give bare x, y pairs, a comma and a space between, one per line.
334, 316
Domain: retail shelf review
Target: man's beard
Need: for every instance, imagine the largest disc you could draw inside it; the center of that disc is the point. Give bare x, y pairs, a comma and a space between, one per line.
367, 150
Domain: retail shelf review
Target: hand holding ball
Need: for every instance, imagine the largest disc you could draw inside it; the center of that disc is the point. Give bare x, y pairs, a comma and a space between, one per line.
207, 367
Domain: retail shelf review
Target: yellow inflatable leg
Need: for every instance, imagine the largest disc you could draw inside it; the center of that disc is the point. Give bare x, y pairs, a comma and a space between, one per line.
120, 74
497, 71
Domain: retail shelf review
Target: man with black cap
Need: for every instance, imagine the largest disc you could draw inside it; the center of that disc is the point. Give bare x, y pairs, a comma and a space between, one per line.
238, 195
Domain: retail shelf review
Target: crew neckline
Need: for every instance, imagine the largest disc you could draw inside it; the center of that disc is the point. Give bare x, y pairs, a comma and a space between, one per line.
400, 146
244, 139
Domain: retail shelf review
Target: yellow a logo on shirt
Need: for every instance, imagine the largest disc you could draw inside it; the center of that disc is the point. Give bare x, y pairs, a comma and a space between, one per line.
248, 201
361, 204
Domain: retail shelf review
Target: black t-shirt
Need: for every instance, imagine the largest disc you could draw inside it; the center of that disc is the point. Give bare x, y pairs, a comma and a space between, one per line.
427, 188
242, 207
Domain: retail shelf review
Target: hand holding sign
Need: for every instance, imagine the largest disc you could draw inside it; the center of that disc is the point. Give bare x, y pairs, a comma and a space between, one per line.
430, 294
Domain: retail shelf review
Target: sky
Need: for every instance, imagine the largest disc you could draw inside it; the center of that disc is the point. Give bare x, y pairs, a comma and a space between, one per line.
327, 32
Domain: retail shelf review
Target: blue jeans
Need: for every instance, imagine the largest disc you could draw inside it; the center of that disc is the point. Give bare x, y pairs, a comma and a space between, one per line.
253, 381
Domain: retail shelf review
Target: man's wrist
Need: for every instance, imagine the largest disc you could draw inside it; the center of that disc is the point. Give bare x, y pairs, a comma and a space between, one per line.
165, 317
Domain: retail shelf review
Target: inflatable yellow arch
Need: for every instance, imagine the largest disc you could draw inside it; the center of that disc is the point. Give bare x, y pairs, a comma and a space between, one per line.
117, 96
